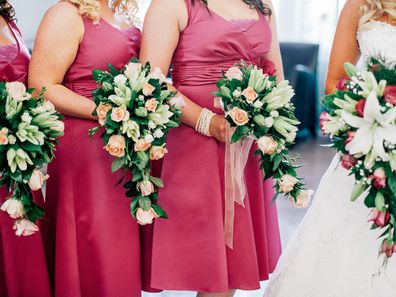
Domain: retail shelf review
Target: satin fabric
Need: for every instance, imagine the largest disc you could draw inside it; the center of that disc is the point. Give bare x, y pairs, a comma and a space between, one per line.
23, 268
189, 251
95, 241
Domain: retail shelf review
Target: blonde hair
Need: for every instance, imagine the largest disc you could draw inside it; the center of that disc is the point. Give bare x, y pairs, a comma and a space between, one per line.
126, 9
377, 10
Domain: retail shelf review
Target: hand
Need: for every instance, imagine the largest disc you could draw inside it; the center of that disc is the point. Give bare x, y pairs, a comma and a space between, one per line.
218, 127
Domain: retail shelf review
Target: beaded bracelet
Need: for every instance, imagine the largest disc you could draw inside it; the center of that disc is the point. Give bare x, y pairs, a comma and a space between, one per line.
204, 120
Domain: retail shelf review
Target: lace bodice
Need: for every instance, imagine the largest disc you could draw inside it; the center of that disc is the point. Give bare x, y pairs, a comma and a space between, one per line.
378, 39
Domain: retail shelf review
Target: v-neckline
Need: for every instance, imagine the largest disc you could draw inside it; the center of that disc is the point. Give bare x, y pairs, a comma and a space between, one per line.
122, 30
231, 21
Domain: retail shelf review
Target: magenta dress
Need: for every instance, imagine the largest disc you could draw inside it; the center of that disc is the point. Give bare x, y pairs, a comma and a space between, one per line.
189, 251
23, 269
94, 239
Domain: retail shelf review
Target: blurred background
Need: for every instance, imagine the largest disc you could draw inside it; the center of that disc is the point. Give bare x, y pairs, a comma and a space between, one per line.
306, 29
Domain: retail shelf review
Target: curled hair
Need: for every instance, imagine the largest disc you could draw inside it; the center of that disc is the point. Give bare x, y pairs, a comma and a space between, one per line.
257, 4
7, 11
127, 9
377, 10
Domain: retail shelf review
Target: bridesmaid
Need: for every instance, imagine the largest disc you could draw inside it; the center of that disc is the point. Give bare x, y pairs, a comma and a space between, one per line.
23, 269
200, 39
95, 241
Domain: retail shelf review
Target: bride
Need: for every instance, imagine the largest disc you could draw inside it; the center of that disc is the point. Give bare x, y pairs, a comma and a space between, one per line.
334, 253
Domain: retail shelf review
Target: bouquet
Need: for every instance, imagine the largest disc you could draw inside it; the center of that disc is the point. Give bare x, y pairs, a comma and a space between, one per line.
361, 122
29, 129
258, 107
136, 110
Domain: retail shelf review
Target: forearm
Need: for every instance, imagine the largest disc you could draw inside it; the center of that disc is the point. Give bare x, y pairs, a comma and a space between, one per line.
190, 110
70, 103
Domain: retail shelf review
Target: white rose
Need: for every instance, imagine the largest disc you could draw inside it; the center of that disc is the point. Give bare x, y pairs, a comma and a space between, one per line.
120, 79
145, 217
267, 145
48, 106
274, 114
14, 208
158, 133
132, 69
149, 138
286, 183
24, 228
37, 180
268, 122
151, 125
258, 104
17, 91
237, 93
157, 74
12, 139
146, 187
26, 117
303, 199
177, 101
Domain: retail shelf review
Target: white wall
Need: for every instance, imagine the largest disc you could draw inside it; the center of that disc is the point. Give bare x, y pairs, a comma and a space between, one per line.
29, 14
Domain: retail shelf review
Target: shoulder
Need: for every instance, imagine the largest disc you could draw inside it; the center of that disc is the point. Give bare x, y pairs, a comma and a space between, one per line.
174, 7
63, 12
63, 18
169, 10
353, 8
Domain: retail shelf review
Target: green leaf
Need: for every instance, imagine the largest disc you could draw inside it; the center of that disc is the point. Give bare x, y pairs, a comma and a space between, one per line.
117, 164
133, 206
357, 191
350, 69
160, 212
277, 160
145, 203
392, 183
157, 181
380, 201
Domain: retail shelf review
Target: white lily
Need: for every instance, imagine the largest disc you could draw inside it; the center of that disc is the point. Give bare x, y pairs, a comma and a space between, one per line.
373, 129
369, 83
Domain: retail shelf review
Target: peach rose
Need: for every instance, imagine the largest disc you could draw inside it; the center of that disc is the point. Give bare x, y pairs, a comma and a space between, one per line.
119, 114
3, 136
145, 217
25, 228
148, 89
14, 208
249, 94
239, 116
102, 110
141, 145
267, 145
303, 199
151, 105
116, 146
158, 152
234, 73
146, 187
17, 91
286, 183
37, 180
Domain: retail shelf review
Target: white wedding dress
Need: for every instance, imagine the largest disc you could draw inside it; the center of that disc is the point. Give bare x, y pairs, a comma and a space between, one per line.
334, 253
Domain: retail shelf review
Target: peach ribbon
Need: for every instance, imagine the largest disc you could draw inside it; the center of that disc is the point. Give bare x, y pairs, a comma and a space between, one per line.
236, 156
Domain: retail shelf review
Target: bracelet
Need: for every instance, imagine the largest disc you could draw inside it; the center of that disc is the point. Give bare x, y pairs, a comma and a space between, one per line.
204, 120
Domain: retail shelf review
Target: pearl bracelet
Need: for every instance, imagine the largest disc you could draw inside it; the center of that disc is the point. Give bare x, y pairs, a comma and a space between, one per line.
204, 120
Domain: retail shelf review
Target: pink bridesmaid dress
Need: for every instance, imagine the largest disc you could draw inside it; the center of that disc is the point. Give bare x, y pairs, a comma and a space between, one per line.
189, 251
23, 269
95, 241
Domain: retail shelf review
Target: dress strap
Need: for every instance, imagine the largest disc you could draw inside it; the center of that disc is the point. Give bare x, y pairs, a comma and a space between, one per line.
194, 9
12, 27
